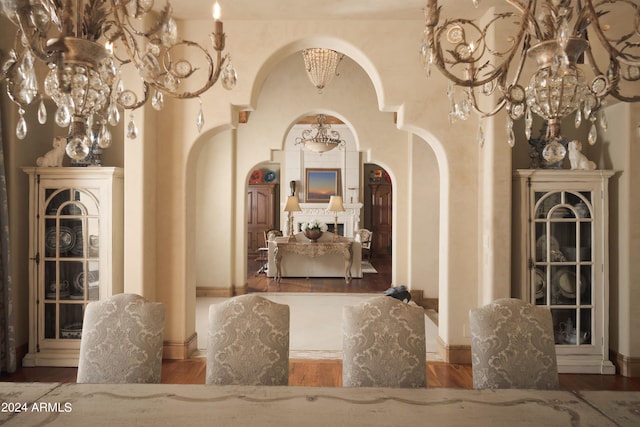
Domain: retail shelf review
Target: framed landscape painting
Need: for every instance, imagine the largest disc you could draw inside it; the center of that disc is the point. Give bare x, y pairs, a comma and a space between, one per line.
321, 184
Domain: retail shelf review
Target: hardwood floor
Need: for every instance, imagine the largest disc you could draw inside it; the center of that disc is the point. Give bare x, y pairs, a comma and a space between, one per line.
369, 283
326, 373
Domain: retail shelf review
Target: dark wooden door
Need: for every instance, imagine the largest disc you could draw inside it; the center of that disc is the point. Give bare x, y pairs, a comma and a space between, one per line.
381, 216
260, 214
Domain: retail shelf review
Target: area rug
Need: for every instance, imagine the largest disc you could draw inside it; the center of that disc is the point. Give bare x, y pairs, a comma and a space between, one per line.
368, 268
315, 323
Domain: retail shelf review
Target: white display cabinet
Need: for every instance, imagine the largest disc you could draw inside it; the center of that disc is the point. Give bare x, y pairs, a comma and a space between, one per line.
75, 255
561, 260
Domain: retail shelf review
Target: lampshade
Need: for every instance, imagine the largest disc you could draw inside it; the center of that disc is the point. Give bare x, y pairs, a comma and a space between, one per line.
335, 204
292, 205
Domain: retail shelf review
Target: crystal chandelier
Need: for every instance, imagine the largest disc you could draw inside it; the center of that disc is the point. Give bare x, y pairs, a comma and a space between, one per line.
88, 47
559, 35
321, 65
320, 138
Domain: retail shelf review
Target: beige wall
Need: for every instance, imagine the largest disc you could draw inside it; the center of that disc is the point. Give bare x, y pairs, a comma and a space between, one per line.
621, 150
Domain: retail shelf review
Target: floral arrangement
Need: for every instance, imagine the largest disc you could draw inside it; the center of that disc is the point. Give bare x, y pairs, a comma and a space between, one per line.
314, 224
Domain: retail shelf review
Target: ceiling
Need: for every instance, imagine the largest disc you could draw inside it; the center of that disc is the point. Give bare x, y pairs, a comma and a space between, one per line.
302, 9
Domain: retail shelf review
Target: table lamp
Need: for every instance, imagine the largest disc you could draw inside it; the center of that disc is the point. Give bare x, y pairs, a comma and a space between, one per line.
335, 205
292, 205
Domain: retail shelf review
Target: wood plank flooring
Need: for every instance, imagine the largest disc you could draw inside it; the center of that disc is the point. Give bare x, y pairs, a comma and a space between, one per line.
328, 373
369, 283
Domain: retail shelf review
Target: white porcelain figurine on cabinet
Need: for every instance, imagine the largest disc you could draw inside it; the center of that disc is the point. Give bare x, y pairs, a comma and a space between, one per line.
54, 157
577, 159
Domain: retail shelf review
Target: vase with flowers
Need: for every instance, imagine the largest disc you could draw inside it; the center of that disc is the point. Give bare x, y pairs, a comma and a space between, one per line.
314, 229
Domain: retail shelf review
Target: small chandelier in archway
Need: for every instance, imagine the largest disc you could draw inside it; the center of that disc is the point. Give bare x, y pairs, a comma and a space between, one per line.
320, 138
321, 65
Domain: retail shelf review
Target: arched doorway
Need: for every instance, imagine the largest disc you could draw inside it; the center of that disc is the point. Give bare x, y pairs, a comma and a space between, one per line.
279, 103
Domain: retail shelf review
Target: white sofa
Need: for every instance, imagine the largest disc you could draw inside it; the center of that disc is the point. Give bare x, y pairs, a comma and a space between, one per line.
331, 265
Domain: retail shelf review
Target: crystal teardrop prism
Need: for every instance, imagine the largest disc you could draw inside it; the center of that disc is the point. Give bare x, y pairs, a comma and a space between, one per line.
21, 127
169, 33
113, 115
157, 101
26, 87
578, 119
593, 134
426, 58
587, 107
528, 118
229, 76
200, 119
132, 130
42, 112
104, 137
171, 82
63, 116
511, 139
603, 121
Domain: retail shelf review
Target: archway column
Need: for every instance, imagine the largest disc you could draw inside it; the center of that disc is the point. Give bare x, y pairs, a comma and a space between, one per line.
495, 205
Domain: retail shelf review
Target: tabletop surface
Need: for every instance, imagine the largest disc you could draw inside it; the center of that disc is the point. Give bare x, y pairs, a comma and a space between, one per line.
33, 404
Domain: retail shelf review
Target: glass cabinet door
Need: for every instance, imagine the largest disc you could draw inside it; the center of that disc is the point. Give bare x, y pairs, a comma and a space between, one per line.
562, 264
70, 267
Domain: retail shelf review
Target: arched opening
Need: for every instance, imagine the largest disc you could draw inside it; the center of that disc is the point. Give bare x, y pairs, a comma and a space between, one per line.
283, 96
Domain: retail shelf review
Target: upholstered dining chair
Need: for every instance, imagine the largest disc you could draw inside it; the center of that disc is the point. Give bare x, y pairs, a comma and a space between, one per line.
512, 346
384, 344
248, 342
263, 252
364, 236
121, 341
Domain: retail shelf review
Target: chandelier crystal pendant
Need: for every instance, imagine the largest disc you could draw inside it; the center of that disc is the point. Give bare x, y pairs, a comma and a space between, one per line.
89, 47
566, 39
320, 138
321, 65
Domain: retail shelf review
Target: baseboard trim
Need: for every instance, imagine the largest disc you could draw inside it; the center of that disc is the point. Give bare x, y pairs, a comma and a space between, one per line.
430, 303
214, 292
458, 354
417, 296
21, 352
626, 366
178, 350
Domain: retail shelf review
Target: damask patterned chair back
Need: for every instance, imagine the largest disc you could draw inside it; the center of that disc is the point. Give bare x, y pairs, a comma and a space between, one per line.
121, 341
512, 346
248, 342
384, 344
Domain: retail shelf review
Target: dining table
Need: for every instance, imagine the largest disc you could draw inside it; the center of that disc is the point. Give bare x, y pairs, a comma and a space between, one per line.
70, 404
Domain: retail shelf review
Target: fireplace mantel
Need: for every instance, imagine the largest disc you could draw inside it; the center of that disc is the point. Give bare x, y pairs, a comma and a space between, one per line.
350, 218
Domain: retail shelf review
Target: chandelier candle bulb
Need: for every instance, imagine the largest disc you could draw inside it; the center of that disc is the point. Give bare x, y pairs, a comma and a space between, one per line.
216, 17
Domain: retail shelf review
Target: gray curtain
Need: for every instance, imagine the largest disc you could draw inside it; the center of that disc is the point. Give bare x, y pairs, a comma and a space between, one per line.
7, 322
